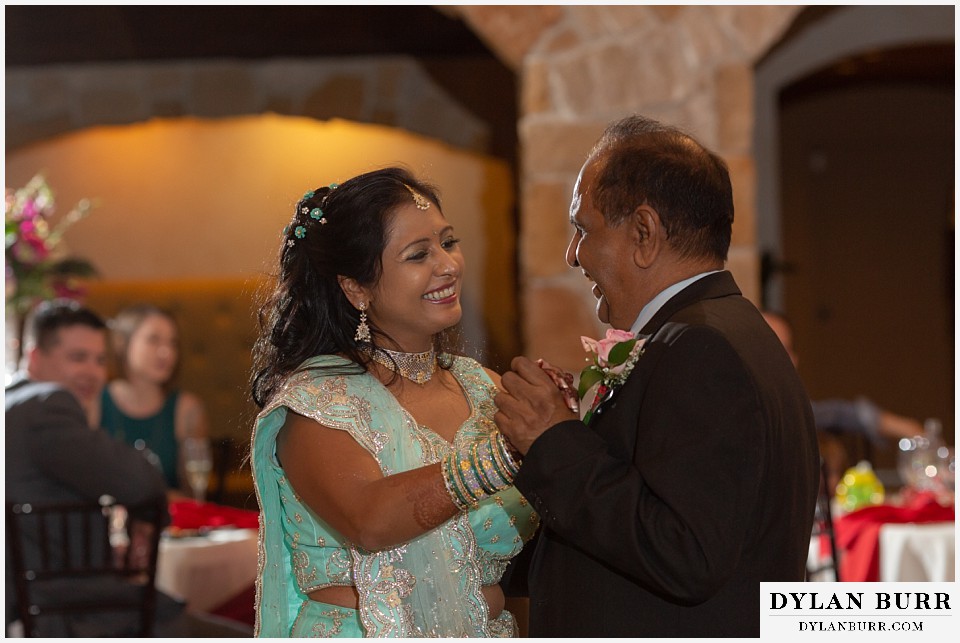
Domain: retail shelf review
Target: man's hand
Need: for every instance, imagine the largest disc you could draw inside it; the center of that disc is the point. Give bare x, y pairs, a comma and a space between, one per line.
564, 382
141, 540
528, 404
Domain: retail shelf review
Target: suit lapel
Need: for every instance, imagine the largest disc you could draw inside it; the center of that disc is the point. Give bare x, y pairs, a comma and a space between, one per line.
719, 284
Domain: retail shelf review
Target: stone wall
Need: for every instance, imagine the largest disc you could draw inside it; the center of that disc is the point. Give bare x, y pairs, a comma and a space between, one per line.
583, 66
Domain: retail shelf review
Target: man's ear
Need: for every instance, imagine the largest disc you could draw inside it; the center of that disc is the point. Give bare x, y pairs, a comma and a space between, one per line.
648, 236
354, 292
31, 360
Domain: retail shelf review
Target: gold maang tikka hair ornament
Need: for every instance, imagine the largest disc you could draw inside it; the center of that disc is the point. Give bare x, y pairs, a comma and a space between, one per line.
421, 201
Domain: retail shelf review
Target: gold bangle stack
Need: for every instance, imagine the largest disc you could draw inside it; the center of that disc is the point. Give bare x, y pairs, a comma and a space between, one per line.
480, 470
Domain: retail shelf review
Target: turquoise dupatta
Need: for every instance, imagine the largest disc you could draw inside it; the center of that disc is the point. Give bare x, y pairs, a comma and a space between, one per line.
429, 586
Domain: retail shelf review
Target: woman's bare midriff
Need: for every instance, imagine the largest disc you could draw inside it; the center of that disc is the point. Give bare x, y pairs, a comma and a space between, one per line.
347, 597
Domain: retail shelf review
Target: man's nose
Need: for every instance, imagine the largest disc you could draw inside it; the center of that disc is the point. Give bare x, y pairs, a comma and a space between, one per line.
571, 255
96, 370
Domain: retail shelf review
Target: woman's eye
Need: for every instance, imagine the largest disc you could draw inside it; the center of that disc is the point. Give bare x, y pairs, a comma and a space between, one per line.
418, 256
450, 243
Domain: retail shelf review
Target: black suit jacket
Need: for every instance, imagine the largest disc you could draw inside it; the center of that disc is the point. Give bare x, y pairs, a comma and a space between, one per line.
53, 456
693, 483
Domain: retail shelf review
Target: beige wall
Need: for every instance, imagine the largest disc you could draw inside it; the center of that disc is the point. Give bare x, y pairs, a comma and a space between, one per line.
194, 198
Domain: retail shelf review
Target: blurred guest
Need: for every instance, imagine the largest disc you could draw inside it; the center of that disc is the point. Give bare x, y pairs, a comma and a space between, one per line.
142, 406
859, 415
54, 456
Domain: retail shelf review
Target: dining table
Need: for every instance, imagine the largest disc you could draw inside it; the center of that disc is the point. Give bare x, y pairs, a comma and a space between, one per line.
208, 558
917, 552
910, 538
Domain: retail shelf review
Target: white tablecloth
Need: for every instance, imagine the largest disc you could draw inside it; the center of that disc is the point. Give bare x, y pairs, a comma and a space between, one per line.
918, 552
207, 571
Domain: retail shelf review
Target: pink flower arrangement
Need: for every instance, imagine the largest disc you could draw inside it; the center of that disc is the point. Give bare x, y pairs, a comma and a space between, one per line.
614, 358
37, 264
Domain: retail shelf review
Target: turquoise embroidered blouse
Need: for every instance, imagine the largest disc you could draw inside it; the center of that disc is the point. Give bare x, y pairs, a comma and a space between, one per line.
297, 543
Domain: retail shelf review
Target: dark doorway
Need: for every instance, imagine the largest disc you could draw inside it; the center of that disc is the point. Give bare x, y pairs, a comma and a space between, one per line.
867, 216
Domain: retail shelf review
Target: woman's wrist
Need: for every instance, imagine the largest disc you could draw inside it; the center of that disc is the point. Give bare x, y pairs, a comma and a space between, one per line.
479, 470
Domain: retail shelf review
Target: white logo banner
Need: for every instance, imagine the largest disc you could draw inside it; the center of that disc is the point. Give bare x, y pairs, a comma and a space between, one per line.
858, 611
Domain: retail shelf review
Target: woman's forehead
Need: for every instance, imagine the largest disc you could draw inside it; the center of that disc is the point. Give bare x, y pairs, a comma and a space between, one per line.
410, 224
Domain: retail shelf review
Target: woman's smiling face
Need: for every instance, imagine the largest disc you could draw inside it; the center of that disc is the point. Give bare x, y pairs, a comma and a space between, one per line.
418, 294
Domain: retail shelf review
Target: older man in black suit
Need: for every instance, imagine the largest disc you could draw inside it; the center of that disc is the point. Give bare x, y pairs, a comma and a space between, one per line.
695, 480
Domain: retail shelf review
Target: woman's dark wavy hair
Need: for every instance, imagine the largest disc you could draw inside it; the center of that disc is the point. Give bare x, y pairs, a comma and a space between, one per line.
689, 186
304, 312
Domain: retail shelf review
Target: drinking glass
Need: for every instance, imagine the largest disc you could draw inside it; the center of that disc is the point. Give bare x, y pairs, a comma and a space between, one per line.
197, 462
947, 468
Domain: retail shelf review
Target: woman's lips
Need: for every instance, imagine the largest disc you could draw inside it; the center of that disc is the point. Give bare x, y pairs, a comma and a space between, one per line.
443, 295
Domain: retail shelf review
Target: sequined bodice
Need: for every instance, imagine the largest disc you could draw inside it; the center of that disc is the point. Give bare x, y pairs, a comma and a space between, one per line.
362, 406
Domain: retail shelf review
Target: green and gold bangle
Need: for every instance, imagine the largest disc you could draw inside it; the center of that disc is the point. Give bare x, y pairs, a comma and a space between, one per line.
450, 481
501, 449
483, 469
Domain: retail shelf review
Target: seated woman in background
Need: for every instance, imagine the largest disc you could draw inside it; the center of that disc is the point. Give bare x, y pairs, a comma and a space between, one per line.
142, 407
387, 505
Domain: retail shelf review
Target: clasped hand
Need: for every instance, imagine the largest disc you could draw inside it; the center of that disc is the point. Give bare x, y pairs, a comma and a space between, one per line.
530, 401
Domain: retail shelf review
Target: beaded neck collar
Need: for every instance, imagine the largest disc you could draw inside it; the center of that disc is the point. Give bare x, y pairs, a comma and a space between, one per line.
416, 367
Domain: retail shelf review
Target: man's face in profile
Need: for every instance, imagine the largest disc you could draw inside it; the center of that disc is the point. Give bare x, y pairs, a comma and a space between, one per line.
77, 360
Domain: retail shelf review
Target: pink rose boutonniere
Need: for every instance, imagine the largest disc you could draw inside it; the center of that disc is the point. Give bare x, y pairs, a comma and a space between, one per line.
614, 358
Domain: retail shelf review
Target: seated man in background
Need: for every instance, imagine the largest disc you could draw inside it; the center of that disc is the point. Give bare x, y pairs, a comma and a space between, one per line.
54, 456
860, 416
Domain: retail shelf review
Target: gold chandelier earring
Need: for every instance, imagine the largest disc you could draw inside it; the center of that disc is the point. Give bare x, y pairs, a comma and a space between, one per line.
363, 331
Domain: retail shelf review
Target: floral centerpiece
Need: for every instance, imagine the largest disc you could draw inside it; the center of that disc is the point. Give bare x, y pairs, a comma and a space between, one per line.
38, 265
614, 357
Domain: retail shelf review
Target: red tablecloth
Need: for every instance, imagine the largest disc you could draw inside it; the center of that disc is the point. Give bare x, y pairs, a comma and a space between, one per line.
189, 514
857, 533
239, 608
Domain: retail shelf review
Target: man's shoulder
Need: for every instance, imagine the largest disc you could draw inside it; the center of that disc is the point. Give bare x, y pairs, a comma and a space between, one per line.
26, 389
29, 393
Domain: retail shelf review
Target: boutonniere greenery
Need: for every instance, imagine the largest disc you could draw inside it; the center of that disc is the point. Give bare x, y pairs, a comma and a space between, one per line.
614, 357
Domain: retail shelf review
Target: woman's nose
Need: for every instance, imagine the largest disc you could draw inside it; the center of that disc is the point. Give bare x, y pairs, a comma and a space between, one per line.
447, 265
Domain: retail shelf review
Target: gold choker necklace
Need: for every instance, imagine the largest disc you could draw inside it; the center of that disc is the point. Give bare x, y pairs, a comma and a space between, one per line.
416, 367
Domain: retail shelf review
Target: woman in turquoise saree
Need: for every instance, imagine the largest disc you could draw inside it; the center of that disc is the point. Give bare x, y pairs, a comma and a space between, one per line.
386, 504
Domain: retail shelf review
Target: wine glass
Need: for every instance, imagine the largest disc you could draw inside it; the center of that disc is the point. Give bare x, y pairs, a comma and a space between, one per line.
947, 468
906, 460
197, 462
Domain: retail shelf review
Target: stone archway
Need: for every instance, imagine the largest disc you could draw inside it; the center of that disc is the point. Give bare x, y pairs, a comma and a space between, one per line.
844, 32
42, 102
855, 148
582, 66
